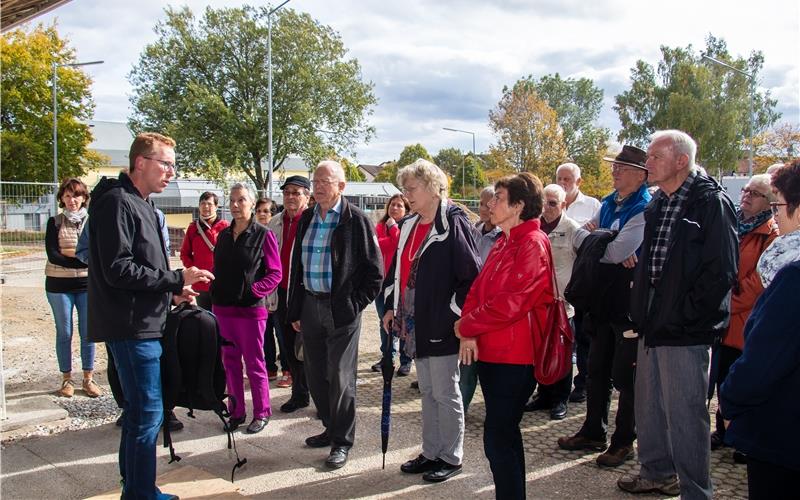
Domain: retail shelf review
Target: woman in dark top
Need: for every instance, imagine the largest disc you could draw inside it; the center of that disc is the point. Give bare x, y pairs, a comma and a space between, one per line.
65, 284
247, 267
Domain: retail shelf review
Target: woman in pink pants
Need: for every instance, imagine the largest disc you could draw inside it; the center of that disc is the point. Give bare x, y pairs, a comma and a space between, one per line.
247, 267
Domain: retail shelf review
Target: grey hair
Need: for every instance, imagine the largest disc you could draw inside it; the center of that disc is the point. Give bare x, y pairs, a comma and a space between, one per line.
556, 190
682, 143
774, 168
575, 169
239, 186
428, 173
762, 183
487, 191
336, 169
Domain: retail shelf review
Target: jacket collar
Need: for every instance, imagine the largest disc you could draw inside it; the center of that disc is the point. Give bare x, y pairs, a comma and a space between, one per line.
520, 231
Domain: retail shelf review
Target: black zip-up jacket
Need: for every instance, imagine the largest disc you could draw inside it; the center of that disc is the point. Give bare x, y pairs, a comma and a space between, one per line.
237, 265
691, 302
448, 264
356, 261
130, 283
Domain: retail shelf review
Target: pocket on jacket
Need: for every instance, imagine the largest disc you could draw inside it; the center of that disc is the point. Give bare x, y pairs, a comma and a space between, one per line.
498, 340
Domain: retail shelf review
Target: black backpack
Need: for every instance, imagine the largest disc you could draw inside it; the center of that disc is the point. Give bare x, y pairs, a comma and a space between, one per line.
192, 375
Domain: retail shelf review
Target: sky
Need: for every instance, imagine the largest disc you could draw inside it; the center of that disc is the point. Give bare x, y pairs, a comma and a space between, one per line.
444, 63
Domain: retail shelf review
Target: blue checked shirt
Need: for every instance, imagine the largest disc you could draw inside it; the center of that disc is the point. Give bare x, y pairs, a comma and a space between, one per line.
317, 265
668, 209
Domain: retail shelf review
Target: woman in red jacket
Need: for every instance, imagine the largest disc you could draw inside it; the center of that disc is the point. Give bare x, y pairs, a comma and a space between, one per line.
197, 248
388, 233
504, 309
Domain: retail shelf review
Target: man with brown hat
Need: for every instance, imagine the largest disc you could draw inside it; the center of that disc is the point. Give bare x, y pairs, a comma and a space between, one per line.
613, 348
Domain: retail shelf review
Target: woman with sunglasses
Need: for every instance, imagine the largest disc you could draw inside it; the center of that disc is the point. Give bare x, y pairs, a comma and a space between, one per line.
759, 397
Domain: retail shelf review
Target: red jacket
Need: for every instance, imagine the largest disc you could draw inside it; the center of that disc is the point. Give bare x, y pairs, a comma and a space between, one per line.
388, 238
508, 302
195, 252
748, 286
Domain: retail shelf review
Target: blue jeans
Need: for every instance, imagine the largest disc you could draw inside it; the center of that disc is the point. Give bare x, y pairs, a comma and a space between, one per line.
139, 368
380, 306
62, 305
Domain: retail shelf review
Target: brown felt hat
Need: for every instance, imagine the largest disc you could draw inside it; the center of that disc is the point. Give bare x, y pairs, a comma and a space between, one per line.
630, 155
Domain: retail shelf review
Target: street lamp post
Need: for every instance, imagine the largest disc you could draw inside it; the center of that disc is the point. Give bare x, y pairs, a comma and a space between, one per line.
55, 122
269, 95
752, 127
463, 176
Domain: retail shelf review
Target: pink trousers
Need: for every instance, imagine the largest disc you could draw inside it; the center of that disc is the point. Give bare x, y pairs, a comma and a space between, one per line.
247, 335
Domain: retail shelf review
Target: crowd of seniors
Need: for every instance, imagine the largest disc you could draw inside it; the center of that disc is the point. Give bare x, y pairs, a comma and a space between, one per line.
688, 289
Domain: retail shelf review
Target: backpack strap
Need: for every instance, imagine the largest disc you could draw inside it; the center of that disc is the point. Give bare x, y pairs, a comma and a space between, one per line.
203, 235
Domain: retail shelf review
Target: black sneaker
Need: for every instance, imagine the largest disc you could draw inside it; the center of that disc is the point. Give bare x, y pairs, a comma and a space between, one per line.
173, 424
444, 472
292, 406
577, 396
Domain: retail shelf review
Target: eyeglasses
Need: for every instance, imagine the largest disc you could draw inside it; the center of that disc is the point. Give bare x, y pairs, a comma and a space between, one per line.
616, 167
753, 192
774, 206
287, 193
164, 164
324, 182
553, 204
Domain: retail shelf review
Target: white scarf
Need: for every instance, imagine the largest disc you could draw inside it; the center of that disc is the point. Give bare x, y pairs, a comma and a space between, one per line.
75, 217
784, 250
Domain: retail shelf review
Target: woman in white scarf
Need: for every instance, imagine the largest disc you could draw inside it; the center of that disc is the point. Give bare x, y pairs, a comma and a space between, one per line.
786, 248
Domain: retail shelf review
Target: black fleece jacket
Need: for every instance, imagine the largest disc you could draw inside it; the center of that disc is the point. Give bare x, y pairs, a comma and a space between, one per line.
691, 302
357, 266
130, 284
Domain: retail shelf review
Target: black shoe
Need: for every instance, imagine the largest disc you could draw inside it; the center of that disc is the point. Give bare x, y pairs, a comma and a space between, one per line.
257, 425
338, 457
172, 421
292, 406
319, 441
577, 396
538, 403
415, 385
376, 367
578, 442
739, 457
404, 370
419, 465
716, 440
120, 419
559, 411
444, 472
234, 423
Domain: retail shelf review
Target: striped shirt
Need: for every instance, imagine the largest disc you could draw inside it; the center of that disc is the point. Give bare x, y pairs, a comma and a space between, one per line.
668, 209
317, 252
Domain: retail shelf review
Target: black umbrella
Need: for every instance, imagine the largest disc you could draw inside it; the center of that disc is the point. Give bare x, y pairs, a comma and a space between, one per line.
387, 369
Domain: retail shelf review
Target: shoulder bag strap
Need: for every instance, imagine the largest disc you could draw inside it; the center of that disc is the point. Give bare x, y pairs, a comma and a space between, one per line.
203, 235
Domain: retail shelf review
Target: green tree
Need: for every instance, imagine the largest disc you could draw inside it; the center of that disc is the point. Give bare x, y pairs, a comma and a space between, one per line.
528, 131
388, 173
26, 116
409, 155
204, 82
351, 171
708, 101
449, 160
469, 179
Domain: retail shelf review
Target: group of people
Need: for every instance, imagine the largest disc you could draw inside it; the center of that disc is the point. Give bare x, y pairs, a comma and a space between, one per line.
667, 265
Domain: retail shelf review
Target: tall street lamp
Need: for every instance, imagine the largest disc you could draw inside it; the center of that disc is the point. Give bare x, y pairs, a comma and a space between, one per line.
269, 94
752, 107
55, 120
463, 190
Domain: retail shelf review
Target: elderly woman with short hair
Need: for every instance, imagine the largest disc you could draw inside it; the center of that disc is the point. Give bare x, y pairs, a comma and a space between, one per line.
248, 268
425, 288
757, 229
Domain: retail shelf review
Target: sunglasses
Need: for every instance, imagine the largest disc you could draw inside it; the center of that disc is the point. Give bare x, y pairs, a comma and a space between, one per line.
774, 207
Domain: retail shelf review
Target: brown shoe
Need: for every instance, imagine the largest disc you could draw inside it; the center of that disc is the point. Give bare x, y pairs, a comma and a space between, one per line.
578, 442
67, 388
615, 456
91, 388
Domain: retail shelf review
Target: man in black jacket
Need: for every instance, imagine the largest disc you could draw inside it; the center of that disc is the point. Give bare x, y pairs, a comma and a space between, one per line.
130, 289
680, 303
336, 271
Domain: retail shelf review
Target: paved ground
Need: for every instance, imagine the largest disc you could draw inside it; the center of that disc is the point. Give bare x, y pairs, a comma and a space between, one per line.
81, 463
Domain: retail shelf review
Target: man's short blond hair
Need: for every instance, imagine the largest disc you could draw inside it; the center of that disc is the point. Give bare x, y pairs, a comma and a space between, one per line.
143, 145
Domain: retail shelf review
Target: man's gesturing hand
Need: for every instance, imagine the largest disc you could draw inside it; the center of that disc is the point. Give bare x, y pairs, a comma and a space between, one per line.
192, 275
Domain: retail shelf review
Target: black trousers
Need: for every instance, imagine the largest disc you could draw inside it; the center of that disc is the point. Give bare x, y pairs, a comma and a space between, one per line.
505, 391
768, 481
582, 344
612, 361
331, 360
727, 356
296, 367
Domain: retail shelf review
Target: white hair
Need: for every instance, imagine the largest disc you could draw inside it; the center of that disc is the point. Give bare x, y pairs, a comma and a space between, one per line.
487, 191
431, 176
762, 183
575, 169
244, 187
774, 168
335, 167
557, 190
682, 143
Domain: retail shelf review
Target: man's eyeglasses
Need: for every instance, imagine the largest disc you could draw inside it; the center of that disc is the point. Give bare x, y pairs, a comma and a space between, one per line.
287, 193
164, 164
324, 182
774, 207
753, 192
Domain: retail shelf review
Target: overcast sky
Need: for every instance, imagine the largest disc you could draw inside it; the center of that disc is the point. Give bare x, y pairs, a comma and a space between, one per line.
444, 63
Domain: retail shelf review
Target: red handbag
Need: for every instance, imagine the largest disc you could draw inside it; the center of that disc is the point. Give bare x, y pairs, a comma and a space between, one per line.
553, 361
